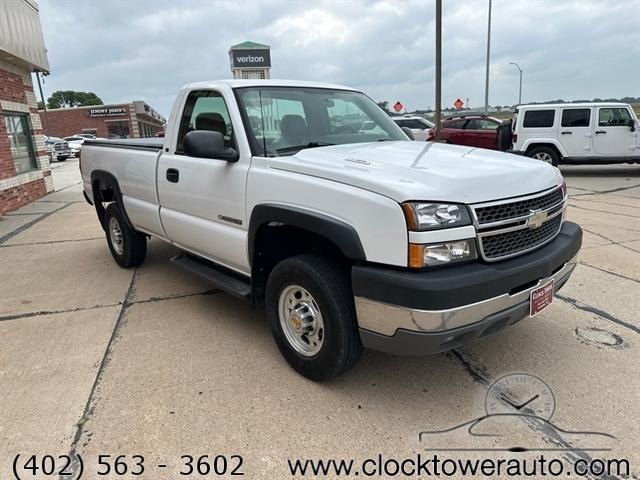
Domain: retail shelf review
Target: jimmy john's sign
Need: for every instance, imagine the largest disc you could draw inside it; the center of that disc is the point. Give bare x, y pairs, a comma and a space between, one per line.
251, 58
107, 112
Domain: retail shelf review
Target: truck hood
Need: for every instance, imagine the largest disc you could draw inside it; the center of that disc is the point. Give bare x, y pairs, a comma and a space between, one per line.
429, 171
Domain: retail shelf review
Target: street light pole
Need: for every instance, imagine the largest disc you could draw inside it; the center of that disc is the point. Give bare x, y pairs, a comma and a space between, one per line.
520, 90
438, 67
486, 88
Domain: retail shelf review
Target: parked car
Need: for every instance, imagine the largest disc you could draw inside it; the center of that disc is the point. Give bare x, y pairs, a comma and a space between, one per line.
419, 126
75, 143
471, 130
87, 136
577, 133
346, 239
57, 149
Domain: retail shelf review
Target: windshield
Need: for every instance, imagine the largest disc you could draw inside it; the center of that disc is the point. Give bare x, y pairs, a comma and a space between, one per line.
283, 120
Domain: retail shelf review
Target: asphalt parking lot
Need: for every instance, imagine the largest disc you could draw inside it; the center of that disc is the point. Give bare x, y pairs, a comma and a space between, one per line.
95, 359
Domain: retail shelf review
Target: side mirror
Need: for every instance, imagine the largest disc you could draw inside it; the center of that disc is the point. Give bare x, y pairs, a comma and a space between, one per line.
208, 144
632, 124
408, 133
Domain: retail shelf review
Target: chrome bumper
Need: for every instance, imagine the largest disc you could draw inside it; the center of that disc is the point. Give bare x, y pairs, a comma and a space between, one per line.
385, 319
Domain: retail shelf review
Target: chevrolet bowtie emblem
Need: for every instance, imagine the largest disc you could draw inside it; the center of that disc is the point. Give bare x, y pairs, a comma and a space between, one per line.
536, 219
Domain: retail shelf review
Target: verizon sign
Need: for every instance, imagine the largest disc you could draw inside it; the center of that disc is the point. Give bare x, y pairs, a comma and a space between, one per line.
107, 112
250, 58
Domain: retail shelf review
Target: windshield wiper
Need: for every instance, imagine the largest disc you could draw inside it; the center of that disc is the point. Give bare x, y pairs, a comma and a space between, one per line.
302, 147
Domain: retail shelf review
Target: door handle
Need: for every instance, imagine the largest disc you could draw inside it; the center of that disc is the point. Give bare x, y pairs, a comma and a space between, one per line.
173, 175
598, 132
566, 133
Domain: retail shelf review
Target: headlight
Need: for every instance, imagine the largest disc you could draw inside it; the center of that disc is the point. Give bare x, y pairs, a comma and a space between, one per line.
441, 253
422, 216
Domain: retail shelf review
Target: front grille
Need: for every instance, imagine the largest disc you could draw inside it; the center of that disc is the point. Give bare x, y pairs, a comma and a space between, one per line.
510, 243
522, 208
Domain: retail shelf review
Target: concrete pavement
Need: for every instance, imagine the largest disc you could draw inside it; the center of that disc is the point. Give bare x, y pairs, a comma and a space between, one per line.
96, 360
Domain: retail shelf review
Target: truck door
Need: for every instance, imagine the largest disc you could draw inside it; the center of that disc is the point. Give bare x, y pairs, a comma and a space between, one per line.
202, 200
575, 131
613, 136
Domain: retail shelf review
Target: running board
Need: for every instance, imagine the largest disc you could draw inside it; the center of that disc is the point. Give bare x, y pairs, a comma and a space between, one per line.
219, 277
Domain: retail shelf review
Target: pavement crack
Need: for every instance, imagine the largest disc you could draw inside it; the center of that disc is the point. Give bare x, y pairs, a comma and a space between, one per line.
106, 358
212, 291
551, 436
30, 224
610, 272
604, 211
612, 242
601, 313
53, 312
50, 242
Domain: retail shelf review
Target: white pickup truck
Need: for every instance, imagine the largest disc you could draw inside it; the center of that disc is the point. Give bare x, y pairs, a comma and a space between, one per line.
348, 238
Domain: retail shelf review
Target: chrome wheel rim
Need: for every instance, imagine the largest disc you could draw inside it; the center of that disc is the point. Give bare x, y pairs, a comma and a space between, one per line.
115, 236
301, 320
544, 156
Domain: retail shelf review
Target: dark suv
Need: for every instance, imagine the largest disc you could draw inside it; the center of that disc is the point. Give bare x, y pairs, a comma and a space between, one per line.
473, 130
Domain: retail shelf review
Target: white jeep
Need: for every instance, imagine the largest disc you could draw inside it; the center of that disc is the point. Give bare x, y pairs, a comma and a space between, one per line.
588, 133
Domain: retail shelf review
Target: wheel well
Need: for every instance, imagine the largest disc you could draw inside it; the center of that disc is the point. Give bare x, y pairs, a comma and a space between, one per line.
547, 145
105, 191
274, 243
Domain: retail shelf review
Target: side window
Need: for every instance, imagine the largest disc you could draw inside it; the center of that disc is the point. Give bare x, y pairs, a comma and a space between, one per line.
401, 123
486, 125
576, 117
455, 124
416, 124
205, 110
613, 117
538, 118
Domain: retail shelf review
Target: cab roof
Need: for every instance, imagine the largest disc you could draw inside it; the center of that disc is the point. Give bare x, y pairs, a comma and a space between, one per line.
235, 83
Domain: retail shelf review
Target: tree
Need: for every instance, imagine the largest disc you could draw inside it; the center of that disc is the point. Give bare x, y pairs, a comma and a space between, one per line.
40, 105
71, 98
384, 106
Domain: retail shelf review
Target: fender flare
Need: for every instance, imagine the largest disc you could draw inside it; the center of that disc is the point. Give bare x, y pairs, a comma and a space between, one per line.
343, 235
542, 142
109, 180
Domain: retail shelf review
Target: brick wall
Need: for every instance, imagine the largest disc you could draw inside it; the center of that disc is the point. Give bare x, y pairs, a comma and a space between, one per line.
69, 121
16, 95
16, 197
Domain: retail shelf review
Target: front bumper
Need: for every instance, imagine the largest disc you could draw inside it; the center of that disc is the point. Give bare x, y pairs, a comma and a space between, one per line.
420, 313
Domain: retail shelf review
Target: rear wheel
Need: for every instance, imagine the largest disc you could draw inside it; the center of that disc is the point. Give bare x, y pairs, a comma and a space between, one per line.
310, 307
127, 246
546, 154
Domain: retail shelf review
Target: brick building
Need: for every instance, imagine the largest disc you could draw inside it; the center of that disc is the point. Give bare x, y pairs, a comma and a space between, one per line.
25, 174
126, 120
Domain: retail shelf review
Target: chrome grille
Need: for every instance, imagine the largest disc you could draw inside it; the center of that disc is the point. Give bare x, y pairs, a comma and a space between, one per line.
506, 244
506, 211
507, 229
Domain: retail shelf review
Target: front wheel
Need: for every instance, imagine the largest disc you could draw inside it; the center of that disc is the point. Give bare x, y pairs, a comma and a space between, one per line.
546, 154
127, 246
310, 307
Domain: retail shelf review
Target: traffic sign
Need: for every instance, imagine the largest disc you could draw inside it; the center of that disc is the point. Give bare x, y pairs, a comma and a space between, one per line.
458, 104
398, 106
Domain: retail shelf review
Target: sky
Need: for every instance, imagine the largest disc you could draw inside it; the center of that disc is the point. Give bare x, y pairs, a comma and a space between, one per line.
126, 50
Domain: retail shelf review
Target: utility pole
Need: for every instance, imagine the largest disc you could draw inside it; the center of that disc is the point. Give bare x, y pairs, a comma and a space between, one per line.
44, 105
438, 67
520, 90
486, 88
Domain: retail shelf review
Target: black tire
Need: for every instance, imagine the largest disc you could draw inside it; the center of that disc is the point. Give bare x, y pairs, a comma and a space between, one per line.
548, 152
133, 247
62, 159
329, 286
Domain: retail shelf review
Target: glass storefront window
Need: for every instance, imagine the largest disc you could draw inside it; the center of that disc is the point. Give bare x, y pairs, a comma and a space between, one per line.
20, 142
118, 129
